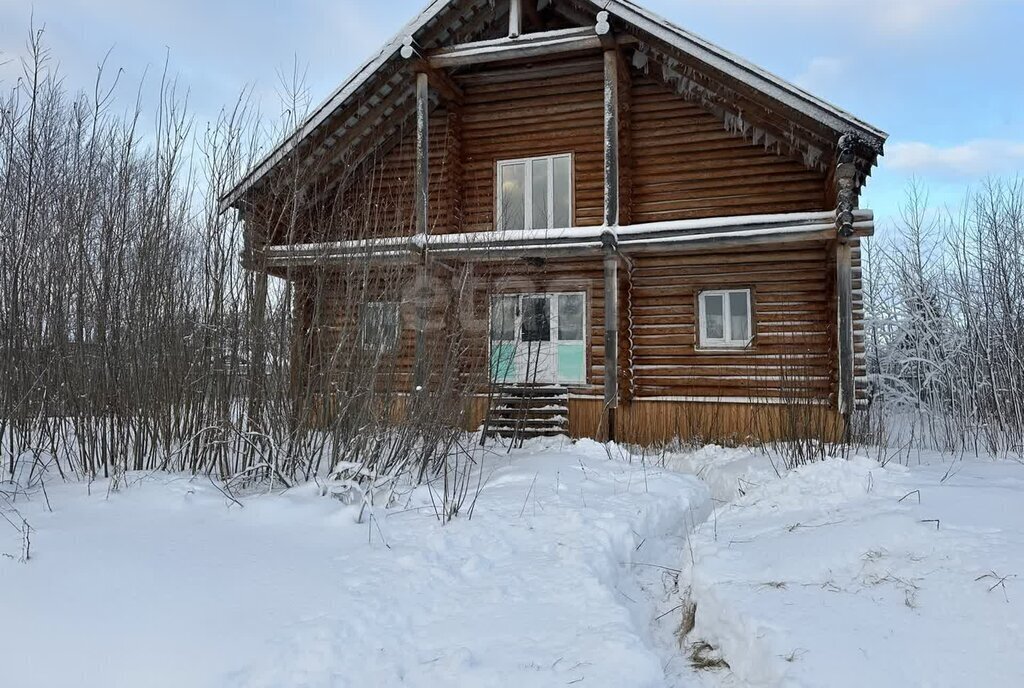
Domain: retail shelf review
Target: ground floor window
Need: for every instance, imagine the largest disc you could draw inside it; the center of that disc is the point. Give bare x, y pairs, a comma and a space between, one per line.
539, 338
726, 319
379, 326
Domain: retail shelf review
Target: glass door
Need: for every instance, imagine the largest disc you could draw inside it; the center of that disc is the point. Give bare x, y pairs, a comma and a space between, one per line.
539, 339
571, 347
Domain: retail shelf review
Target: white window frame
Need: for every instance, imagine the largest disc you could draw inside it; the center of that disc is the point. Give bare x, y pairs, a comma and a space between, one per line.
528, 189
517, 332
380, 346
727, 341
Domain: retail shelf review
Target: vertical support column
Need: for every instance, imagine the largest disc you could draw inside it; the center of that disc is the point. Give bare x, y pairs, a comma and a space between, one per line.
255, 242
258, 347
515, 18
611, 331
422, 153
844, 287
422, 195
846, 185
611, 138
609, 240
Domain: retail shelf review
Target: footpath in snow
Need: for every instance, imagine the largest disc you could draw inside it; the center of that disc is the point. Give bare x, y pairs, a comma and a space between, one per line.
575, 569
165, 582
848, 574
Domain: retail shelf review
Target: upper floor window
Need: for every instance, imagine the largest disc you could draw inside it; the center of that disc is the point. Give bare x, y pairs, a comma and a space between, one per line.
725, 319
535, 193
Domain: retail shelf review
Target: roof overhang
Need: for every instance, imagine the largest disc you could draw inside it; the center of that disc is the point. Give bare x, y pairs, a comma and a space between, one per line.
781, 94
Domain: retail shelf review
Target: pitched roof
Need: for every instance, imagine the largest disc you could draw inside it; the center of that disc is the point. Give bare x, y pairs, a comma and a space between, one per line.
781, 93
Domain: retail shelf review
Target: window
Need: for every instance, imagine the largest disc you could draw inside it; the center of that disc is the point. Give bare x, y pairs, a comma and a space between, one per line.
725, 319
379, 326
504, 311
570, 317
535, 193
536, 319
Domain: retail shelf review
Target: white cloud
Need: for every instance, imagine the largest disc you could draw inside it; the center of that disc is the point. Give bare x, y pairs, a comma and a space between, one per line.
821, 74
911, 16
899, 17
971, 159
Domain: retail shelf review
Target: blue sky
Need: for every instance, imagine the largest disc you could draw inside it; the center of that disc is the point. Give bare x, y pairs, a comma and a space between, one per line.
943, 77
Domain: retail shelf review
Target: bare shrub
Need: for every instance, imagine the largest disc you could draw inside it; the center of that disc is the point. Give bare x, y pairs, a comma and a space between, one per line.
134, 339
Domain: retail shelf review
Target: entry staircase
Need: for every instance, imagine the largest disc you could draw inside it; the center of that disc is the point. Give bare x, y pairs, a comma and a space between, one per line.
522, 412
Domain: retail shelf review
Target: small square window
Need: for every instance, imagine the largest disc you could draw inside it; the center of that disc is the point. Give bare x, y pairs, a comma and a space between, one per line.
379, 326
535, 193
726, 320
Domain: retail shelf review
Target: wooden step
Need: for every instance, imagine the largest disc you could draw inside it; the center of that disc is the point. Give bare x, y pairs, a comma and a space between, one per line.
521, 412
532, 391
526, 433
527, 412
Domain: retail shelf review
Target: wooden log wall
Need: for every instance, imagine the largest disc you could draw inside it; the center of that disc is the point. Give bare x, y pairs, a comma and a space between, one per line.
377, 200
792, 360
554, 276
652, 423
860, 360
686, 165
459, 305
792, 355
530, 115
678, 160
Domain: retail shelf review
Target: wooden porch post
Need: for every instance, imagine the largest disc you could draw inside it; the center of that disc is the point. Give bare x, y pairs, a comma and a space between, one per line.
846, 180
256, 254
611, 138
611, 330
422, 196
515, 18
422, 152
610, 241
844, 286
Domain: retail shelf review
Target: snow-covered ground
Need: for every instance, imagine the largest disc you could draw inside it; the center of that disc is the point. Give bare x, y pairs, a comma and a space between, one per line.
575, 569
168, 583
846, 573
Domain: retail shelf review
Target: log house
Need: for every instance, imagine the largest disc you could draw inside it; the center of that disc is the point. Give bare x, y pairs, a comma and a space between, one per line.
675, 231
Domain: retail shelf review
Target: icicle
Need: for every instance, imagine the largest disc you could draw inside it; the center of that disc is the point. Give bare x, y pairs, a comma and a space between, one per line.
730, 123
812, 157
639, 60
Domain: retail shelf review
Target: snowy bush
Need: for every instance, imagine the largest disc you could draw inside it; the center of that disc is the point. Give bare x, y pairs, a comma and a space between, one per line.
943, 295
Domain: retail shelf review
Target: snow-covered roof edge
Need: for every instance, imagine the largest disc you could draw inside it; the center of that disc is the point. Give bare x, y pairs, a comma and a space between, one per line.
743, 70
728, 63
331, 104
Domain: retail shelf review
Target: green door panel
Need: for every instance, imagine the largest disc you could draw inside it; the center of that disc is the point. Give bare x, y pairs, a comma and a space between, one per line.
572, 363
503, 362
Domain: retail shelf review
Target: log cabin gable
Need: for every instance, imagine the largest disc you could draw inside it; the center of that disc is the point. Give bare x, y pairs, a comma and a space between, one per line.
678, 159
459, 43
